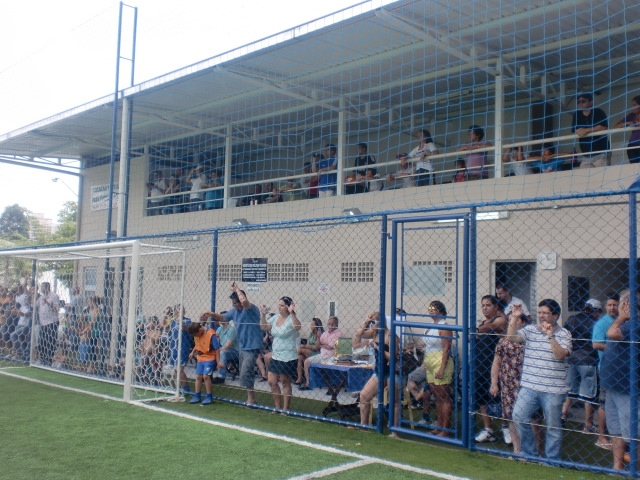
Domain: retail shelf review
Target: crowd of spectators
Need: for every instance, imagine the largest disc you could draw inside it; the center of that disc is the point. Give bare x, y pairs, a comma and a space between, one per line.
202, 187
527, 375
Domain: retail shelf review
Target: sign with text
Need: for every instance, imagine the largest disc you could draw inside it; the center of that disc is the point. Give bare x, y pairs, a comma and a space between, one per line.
253, 288
324, 288
254, 269
100, 197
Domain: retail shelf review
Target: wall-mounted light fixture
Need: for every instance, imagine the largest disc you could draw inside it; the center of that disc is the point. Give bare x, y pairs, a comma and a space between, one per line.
351, 212
239, 222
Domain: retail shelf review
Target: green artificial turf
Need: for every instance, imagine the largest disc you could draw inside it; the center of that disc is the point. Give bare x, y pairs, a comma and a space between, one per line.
53, 433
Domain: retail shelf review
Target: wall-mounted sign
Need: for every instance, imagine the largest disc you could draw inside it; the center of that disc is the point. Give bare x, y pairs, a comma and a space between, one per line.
100, 197
254, 269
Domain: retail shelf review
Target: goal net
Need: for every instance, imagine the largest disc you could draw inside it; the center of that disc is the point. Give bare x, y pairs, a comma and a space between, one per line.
82, 310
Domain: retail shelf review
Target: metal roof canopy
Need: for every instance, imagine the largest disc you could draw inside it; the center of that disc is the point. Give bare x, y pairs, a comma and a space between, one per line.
314, 70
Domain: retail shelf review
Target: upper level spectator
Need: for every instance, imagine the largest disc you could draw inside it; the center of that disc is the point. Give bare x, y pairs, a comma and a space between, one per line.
323, 167
632, 119
587, 120
514, 157
404, 176
476, 161
356, 179
420, 155
196, 179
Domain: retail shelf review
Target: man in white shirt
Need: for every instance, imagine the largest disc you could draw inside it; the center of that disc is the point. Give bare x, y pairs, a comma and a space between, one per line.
504, 295
48, 305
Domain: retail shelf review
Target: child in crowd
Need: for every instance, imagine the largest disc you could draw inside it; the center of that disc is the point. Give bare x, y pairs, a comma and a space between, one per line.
207, 353
461, 174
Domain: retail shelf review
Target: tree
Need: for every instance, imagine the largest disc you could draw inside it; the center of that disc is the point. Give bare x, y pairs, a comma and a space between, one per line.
66, 231
14, 223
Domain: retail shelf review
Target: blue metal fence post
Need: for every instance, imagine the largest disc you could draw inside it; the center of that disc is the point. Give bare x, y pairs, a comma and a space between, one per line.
469, 329
633, 287
391, 326
214, 271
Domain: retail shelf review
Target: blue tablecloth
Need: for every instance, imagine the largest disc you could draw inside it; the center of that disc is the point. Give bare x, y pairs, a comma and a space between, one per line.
356, 376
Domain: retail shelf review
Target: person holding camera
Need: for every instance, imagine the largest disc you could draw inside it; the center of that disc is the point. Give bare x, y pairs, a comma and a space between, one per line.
361, 346
284, 328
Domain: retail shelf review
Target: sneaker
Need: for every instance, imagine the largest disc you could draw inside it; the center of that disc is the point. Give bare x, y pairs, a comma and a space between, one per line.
506, 435
591, 429
196, 398
208, 400
485, 435
184, 391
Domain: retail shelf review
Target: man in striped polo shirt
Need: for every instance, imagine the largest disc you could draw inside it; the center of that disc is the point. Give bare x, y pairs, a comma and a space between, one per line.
544, 375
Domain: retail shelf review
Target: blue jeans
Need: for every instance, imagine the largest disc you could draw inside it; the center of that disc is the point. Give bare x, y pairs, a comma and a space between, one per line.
226, 356
527, 403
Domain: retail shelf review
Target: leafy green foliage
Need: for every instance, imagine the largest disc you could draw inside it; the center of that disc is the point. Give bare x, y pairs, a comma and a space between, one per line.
14, 223
19, 229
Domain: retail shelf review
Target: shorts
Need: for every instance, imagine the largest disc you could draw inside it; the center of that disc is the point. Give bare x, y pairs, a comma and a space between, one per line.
618, 409
433, 361
283, 368
418, 376
247, 367
205, 368
583, 383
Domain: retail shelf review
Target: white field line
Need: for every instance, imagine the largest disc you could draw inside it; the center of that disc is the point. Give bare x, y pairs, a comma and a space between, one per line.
364, 459
330, 471
70, 389
316, 446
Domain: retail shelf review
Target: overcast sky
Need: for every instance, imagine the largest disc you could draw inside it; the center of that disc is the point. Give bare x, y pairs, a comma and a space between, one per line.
63, 54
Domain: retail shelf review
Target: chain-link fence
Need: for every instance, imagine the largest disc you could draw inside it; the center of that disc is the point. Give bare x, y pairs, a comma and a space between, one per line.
495, 335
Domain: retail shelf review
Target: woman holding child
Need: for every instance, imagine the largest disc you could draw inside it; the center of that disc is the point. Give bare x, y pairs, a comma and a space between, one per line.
284, 328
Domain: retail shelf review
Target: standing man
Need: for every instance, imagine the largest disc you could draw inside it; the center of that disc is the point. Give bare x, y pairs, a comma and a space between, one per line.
587, 120
48, 305
615, 375
599, 341
362, 160
246, 319
504, 295
583, 371
326, 181
544, 375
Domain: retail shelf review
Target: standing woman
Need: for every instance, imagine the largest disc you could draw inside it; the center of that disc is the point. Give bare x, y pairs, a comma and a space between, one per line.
310, 348
489, 331
439, 367
370, 390
633, 120
505, 377
284, 328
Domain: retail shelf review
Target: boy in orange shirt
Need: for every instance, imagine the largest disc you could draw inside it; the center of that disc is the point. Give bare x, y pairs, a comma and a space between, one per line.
206, 350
